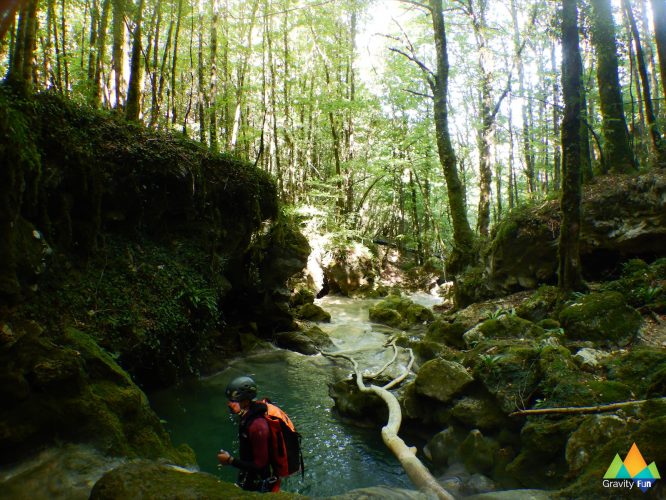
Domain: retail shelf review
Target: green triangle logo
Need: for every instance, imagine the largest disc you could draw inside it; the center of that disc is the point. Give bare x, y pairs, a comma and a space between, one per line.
653, 469
614, 467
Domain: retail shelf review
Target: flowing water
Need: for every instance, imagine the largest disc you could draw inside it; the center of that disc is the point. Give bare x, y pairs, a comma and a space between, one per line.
338, 456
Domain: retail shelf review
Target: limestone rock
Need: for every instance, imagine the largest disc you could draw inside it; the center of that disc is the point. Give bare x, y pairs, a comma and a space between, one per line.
594, 432
478, 452
622, 216
601, 317
312, 312
589, 359
400, 312
363, 408
479, 412
442, 448
68, 389
442, 380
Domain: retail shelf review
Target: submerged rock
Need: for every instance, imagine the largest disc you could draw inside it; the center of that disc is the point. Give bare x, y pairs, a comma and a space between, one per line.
310, 341
312, 312
61, 473
364, 408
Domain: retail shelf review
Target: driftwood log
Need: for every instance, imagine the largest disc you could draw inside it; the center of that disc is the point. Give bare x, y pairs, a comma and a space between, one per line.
572, 410
416, 471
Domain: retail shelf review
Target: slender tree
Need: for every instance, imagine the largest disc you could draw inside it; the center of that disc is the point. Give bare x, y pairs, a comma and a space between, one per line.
618, 156
657, 142
569, 267
133, 106
463, 237
659, 20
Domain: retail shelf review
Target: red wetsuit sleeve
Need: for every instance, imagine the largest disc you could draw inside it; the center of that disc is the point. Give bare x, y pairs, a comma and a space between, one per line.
259, 434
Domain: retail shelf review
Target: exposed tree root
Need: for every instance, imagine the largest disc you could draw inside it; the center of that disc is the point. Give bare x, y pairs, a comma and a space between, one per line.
417, 472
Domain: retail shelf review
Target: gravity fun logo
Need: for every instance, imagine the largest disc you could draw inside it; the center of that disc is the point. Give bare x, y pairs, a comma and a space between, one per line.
632, 472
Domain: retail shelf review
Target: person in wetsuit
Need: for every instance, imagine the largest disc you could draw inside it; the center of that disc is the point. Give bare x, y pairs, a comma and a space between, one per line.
253, 460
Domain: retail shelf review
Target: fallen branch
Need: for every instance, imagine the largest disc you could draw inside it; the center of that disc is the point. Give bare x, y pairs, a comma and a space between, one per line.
416, 471
581, 409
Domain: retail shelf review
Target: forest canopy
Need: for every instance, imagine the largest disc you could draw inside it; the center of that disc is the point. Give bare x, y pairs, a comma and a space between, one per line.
338, 99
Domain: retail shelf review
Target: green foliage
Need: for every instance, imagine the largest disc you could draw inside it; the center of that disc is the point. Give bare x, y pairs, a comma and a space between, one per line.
641, 284
155, 306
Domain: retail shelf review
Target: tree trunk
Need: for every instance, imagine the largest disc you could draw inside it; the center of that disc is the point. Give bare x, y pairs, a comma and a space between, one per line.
569, 269
65, 61
213, 75
655, 136
96, 94
21, 67
174, 65
463, 237
557, 150
7, 16
201, 92
659, 20
118, 50
133, 108
618, 156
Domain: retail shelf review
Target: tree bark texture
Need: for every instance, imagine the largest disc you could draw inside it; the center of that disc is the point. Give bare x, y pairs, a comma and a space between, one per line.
569, 271
659, 20
462, 233
618, 156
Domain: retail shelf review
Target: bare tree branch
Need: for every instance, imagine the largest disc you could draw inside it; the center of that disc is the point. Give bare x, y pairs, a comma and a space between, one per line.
582, 409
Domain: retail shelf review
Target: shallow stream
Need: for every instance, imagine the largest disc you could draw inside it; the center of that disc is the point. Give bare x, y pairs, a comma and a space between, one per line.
338, 456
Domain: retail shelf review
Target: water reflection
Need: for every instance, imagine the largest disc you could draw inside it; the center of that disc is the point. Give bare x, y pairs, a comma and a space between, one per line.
338, 457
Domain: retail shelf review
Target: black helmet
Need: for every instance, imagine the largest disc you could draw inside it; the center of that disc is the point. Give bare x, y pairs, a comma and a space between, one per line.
241, 388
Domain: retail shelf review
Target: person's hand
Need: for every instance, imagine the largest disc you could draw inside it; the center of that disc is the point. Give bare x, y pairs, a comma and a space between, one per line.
224, 457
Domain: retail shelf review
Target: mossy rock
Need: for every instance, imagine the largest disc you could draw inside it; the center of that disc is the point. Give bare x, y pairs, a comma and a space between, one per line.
479, 411
540, 305
71, 390
470, 287
151, 480
301, 297
385, 316
443, 447
508, 370
312, 312
594, 431
601, 317
442, 380
541, 461
641, 368
399, 312
656, 384
506, 326
296, 341
450, 333
478, 452
361, 407
564, 384
647, 429
641, 284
